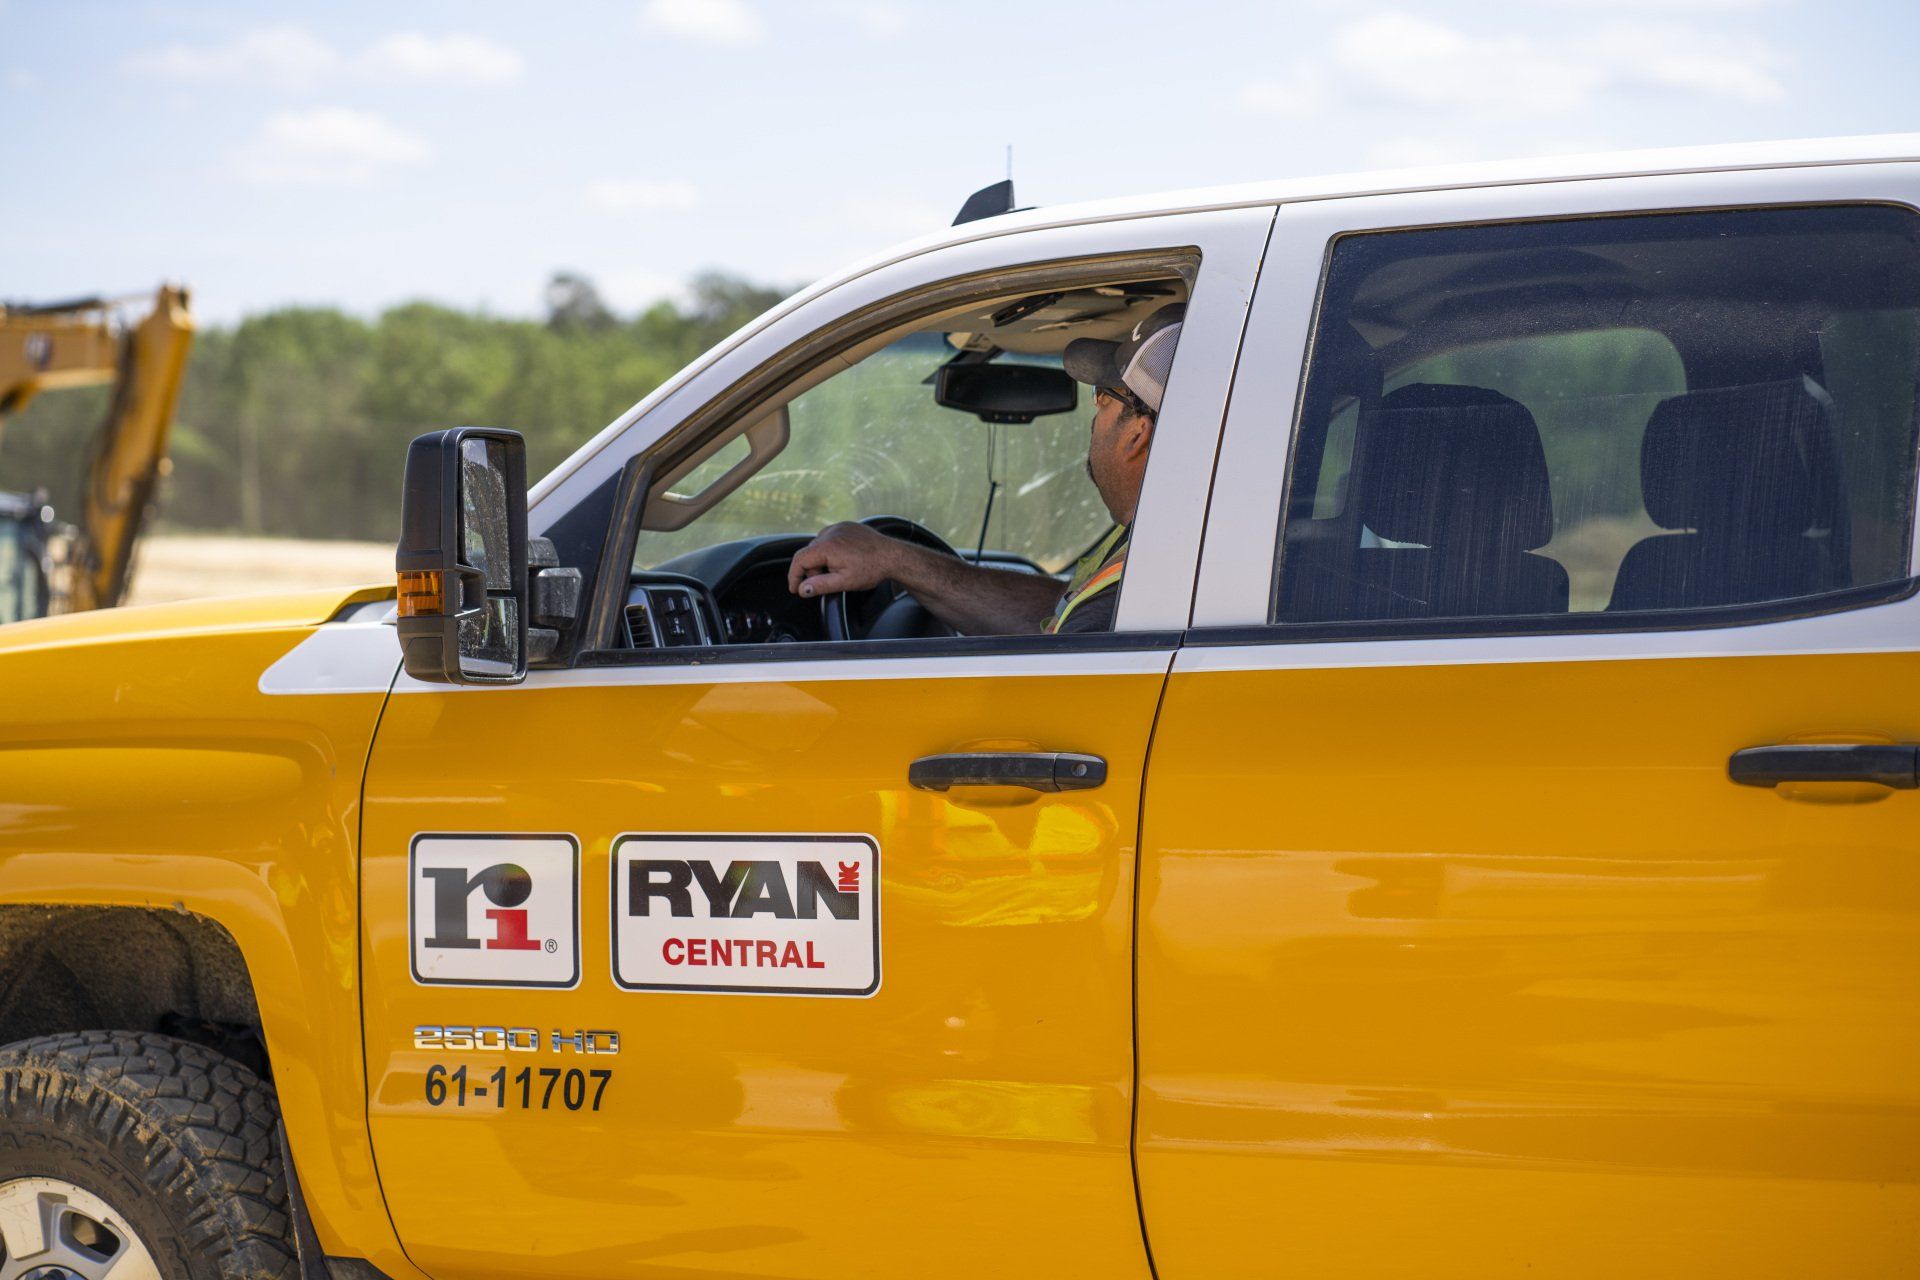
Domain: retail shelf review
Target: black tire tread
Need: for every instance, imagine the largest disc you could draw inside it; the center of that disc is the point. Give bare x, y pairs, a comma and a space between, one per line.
202, 1128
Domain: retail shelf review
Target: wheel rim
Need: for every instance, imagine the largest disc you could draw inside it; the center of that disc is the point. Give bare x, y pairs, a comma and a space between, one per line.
53, 1230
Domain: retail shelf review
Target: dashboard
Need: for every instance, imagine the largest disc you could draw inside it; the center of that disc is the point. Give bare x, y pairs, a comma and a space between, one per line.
734, 593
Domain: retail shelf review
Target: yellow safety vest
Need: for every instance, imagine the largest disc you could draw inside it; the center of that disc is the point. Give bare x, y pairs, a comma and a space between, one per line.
1098, 570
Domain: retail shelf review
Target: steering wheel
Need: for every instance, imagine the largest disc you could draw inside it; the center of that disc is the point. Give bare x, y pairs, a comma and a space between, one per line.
888, 611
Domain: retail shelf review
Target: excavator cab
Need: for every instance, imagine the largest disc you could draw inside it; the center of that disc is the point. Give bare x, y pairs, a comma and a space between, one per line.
26, 529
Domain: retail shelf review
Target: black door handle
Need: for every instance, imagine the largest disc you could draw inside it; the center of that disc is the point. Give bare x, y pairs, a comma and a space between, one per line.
1890, 764
1035, 770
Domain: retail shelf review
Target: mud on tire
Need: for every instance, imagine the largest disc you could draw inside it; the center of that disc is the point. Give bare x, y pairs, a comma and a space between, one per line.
178, 1140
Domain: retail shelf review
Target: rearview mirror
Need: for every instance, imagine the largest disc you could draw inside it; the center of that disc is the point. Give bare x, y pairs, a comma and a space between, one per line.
462, 559
1005, 392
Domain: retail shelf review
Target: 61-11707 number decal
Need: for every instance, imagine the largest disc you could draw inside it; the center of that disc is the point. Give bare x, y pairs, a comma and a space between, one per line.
530, 1088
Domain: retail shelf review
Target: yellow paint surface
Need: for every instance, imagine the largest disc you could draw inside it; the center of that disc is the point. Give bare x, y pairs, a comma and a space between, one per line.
1490, 971
141, 766
971, 1118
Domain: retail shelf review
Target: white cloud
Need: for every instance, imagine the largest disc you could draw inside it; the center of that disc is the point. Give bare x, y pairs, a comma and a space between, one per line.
294, 58
327, 146
21, 80
287, 56
708, 21
1425, 63
452, 59
1407, 62
1678, 57
639, 195
877, 18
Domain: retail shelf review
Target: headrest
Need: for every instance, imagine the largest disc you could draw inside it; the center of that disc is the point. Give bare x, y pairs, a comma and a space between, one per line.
1439, 465
1735, 459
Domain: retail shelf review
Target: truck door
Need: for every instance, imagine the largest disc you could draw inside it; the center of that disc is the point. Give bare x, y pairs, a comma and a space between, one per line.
669, 970
1530, 868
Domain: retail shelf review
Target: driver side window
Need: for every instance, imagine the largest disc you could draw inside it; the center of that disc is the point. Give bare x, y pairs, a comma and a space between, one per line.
871, 441
961, 431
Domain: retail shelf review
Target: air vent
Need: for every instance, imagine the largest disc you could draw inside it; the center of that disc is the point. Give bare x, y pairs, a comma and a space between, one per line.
639, 626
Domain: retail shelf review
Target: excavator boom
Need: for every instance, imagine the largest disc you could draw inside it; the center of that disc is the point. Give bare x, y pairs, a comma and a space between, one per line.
77, 344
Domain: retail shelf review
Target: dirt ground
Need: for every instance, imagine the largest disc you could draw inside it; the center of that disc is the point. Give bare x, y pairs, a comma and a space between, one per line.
183, 566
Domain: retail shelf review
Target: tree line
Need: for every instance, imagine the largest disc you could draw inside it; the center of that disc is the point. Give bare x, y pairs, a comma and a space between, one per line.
295, 422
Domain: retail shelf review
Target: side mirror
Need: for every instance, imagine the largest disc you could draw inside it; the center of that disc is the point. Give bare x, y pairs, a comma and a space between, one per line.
463, 558
1005, 392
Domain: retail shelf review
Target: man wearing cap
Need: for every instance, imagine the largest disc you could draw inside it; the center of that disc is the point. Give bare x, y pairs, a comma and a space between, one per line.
1130, 380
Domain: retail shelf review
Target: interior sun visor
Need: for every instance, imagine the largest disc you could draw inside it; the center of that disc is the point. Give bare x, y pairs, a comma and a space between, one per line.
667, 509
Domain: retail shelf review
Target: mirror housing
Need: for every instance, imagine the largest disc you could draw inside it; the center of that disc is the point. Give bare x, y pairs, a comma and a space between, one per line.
462, 559
1005, 392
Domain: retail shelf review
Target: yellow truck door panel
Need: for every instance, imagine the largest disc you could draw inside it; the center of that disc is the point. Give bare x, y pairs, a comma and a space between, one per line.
1503, 972
966, 1104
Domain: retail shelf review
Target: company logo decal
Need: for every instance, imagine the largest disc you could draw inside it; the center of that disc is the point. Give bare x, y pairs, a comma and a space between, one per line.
793, 915
495, 910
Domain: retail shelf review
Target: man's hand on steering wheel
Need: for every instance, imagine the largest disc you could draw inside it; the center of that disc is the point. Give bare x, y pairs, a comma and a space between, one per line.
844, 557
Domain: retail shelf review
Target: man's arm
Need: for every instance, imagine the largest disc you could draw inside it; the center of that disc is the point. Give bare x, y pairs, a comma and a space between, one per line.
970, 599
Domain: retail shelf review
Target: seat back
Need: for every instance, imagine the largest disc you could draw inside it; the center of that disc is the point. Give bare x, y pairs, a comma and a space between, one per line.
1458, 476
1750, 476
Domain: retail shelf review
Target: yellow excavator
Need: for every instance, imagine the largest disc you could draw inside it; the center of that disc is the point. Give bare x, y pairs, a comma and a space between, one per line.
47, 566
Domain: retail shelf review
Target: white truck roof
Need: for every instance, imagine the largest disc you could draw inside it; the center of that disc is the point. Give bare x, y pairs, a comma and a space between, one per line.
1722, 157
1870, 149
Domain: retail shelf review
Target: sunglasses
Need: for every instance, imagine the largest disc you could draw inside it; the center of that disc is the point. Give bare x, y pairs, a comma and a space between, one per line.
1126, 398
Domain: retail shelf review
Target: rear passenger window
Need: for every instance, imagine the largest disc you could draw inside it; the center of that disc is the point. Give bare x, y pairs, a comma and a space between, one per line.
1609, 416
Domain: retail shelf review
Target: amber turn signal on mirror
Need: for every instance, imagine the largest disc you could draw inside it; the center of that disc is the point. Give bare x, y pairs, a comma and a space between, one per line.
422, 593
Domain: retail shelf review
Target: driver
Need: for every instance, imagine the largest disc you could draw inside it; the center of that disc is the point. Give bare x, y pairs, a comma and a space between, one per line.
1130, 378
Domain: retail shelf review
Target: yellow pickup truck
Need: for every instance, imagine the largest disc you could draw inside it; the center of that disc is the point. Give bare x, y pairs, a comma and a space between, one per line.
1484, 843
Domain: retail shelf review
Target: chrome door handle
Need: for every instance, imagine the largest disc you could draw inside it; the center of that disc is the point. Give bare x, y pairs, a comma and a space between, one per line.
1035, 770
1891, 764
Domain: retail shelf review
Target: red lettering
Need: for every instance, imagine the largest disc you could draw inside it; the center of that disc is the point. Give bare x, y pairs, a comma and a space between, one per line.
696, 950
667, 952
510, 931
811, 962
766, 953
790, 958
721, 949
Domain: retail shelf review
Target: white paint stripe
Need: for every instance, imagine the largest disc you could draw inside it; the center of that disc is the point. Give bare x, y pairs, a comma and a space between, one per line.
339, 657
1893, 628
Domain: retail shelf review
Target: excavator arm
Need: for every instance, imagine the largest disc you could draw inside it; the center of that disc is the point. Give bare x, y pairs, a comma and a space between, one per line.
78, 344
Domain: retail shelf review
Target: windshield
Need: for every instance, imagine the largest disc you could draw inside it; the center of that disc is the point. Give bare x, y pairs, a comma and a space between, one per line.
871, 441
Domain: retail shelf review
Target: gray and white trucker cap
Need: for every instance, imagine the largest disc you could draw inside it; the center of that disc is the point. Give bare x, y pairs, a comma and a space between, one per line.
1140, 363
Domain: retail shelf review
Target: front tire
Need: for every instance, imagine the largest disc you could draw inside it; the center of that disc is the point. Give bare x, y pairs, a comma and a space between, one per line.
143, 1155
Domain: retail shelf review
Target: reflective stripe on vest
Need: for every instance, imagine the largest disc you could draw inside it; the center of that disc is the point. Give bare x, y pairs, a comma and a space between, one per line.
1107, 577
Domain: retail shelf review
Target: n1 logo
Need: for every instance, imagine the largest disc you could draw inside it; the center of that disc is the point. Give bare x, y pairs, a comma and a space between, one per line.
495, 910
773, 915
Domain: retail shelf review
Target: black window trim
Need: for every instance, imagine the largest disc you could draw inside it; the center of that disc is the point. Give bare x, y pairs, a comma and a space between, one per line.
1592, 622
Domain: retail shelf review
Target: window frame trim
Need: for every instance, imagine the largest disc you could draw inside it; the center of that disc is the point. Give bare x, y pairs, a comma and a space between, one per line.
1320, 229
763, 385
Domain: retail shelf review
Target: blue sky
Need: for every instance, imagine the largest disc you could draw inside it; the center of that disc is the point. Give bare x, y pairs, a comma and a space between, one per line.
360, 154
